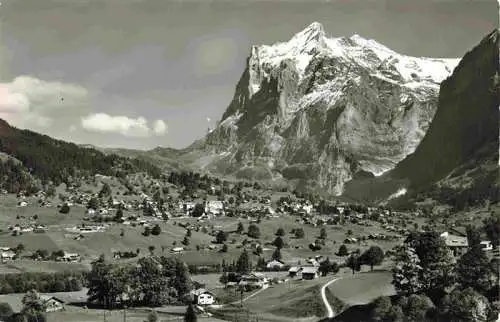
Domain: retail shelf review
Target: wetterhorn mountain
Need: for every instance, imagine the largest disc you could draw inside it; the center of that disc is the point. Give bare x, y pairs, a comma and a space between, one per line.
320, 111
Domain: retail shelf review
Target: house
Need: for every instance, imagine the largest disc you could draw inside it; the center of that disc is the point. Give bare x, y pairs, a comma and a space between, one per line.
486, 245
202, 296
69, 257
255, 280
7, 255
457, 245
52, 303
293, 271
276, 264
177, 250
310, 272
214, 207
22, 204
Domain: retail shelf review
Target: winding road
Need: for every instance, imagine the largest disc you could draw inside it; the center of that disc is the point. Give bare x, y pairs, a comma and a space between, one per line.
329, 309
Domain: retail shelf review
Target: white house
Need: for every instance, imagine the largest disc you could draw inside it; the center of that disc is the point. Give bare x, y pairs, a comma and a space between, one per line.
69, 257
22, 203
310, 272
293, 271
214, 207
203, 297
51, 303
457, 245
486, 245
275, 264
7, 255
177, 250
254, 279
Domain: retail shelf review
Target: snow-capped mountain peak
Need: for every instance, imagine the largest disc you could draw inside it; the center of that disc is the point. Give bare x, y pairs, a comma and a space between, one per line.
331, 106
366, 53
313, 35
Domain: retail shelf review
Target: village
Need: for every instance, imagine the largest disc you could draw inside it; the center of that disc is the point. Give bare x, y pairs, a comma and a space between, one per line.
289, 239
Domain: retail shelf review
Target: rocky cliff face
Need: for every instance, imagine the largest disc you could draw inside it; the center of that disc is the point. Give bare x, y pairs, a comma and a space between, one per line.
460, 149
319, 110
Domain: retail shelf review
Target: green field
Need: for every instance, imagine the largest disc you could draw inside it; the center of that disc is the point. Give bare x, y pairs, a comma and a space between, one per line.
363, 288
94, 244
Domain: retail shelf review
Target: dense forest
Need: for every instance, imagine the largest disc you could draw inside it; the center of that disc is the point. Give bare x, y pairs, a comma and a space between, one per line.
54, 160
43, 282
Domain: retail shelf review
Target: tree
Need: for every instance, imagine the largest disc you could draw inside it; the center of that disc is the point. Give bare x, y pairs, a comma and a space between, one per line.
276, 254
278, 242
372, 256
435, 260
147, 231
221, 237
353, 263
93, 203
98, 283
381, 309
465, 305
224, 248
299, 233
190, 315
5, 311
152, 316
151, 249
280, 232
253, 231
416, 307
473, 270
105, 191
198, 210
51, 191
343, 251
64, 209
492, 228
240, 228
119, 214
185, 241
224, 279
322, 233
188, 232
325, 267
407, 270
33, 308
259, 250
156, 230
473, 235
243, 265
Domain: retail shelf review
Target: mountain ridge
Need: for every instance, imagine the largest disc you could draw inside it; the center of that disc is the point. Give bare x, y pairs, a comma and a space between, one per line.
462, 138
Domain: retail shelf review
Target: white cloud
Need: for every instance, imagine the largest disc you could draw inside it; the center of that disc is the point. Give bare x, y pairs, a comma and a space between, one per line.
160, 127
65, 111
33, 103
104, 123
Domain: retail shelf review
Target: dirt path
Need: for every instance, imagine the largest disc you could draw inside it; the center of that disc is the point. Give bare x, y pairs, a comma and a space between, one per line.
329, 309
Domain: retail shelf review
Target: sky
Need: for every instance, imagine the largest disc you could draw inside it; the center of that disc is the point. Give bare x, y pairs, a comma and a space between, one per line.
146, 73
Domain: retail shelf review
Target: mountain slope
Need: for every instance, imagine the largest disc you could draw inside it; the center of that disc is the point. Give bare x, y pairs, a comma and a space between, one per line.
319, 111
48, 159
460, 149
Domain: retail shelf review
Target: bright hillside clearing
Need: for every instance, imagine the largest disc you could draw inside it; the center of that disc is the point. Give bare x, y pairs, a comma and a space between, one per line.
363, 288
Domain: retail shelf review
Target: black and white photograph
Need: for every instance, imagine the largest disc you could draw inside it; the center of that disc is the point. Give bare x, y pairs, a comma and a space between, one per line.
249, 160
